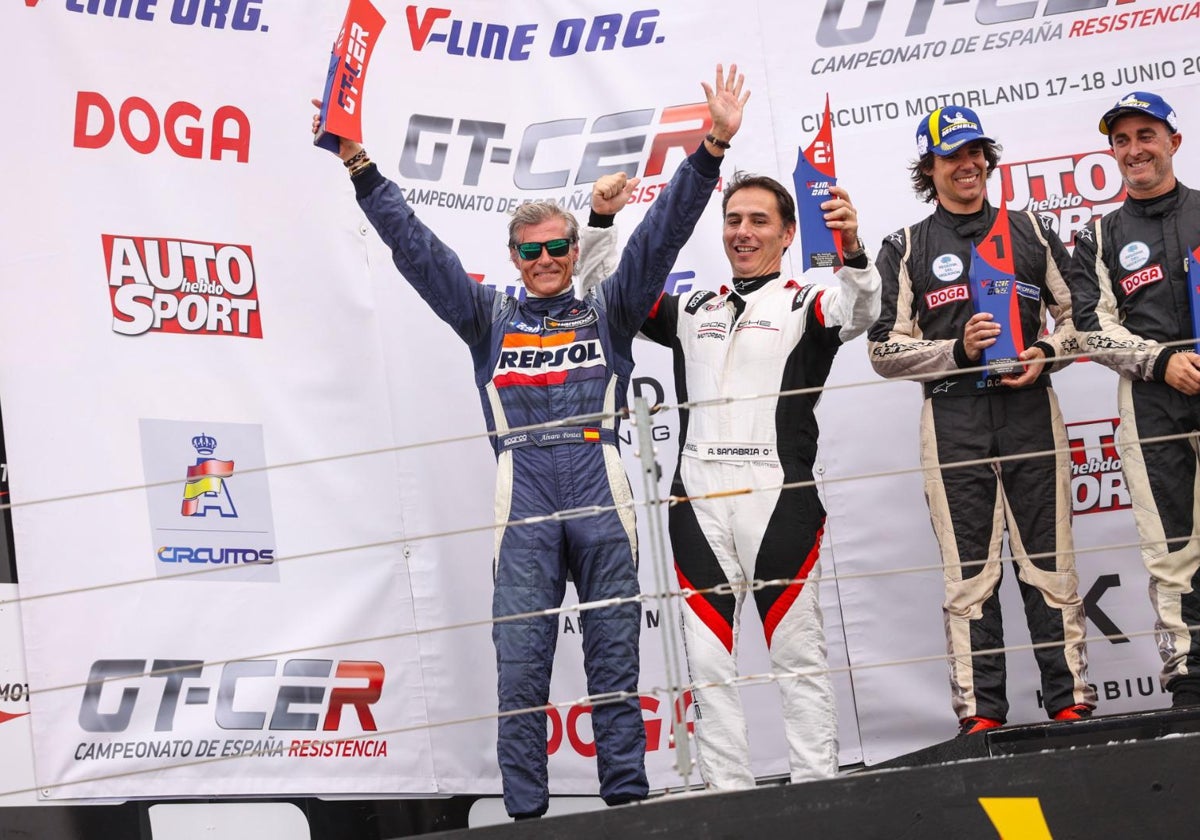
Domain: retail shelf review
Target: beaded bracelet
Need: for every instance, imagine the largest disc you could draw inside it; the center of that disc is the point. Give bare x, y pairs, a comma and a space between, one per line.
362, 155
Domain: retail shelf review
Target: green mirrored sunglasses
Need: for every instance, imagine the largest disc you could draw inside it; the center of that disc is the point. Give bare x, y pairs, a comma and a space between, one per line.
533, 250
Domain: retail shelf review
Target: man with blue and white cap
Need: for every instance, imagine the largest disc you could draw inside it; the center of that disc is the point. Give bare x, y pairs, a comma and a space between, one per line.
1135, 305
929, 331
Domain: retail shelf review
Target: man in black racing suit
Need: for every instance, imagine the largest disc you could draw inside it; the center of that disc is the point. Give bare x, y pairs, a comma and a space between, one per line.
929, 331
1129, 280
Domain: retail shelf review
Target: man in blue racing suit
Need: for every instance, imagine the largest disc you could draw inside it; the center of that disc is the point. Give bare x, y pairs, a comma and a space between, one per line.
549, 358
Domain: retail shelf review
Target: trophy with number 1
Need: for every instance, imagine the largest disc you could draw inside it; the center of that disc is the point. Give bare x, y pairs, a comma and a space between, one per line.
994, 289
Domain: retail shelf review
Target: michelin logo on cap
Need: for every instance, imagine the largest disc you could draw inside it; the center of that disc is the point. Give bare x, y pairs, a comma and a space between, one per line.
946, 129
1140, 102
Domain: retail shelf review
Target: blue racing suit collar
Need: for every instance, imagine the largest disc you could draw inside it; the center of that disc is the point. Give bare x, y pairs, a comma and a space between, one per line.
548, 304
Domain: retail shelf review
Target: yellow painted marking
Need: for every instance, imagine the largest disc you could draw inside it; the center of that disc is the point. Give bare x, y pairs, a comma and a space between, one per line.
1017, 818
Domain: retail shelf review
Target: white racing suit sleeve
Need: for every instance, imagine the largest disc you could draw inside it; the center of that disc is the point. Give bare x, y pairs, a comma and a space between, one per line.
597, 257
853, 304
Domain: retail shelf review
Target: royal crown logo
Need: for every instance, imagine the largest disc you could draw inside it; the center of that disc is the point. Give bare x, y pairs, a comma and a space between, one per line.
205, 489
205, 444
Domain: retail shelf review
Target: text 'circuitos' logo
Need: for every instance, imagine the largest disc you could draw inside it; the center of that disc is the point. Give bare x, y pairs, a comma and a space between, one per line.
210, 515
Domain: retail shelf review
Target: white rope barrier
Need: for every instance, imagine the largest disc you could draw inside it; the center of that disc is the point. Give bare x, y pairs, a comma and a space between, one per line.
666, 596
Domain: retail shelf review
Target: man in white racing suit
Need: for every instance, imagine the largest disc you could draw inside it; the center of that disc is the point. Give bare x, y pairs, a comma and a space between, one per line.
762, 334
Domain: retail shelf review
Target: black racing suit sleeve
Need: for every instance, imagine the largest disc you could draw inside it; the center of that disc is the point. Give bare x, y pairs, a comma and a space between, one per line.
1099, 319
662, 324
888, 262
650, 253
430, 266
1085, 285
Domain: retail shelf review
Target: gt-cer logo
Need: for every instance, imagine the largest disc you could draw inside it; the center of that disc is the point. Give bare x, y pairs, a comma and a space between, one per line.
353, 67
428, 138
299, 698
141, 127
831, 33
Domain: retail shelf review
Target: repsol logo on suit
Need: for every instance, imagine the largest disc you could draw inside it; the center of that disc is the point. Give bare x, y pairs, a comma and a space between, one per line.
570, 355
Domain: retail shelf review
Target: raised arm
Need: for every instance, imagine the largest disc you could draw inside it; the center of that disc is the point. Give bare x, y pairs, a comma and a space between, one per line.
650, 254
598, 239
430, 267
853, 305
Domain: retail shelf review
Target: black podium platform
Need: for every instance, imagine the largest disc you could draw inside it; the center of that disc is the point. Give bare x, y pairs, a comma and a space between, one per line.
1036, 737
1118, 776
1126, 776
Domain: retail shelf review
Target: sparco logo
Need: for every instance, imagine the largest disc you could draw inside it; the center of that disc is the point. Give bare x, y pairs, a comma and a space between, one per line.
947, 295
585, 148
181, 286
833, 31
1097, 484
1068, 192
292, 694
516, 42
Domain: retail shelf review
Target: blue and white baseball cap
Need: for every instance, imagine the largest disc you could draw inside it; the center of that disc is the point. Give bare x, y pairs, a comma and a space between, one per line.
1140, 102
943, 131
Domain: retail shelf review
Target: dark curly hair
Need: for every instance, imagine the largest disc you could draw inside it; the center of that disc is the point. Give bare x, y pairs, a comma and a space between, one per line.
922, 183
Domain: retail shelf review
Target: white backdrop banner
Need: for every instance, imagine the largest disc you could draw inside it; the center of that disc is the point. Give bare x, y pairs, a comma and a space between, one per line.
254, 513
